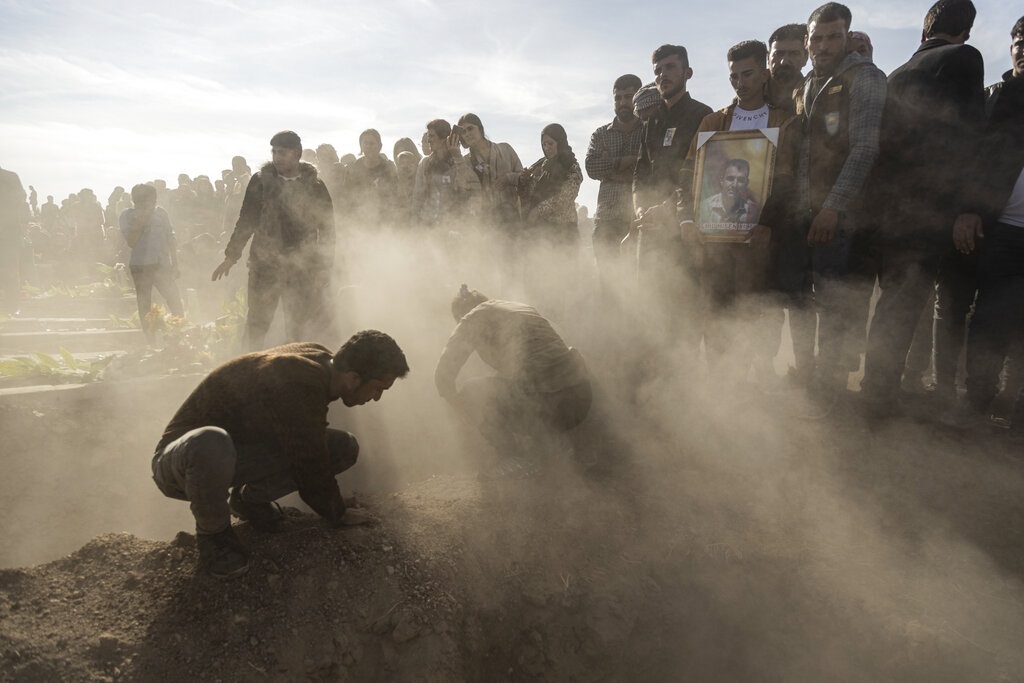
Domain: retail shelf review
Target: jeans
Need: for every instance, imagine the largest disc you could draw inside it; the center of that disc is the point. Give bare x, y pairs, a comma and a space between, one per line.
201, 465
837, 297
161, 277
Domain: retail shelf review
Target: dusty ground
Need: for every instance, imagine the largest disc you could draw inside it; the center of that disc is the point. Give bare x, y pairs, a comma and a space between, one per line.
737, 545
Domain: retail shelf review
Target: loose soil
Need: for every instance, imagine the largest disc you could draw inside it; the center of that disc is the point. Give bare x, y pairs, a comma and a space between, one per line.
717, 548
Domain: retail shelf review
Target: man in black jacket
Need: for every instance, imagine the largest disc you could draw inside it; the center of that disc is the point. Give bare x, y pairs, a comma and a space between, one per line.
930, 134
998, 235
289, 214
669, 267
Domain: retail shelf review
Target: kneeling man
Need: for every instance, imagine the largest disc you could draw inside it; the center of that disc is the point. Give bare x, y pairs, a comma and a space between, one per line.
257, 426
542, 386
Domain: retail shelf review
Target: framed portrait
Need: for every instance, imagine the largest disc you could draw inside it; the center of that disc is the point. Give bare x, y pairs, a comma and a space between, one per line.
733, 177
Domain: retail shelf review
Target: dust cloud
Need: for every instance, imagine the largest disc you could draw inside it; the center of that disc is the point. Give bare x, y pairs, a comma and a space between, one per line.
726, 538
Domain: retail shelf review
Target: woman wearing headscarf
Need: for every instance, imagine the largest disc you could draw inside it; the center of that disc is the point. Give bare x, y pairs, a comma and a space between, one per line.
548, 191
551, 237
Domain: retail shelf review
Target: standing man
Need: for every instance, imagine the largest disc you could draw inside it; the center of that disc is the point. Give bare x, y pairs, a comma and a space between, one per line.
610, 159
667, 267
841, 103
257, 425
931, 133
288, 212
734, 274
999, 239
14, 216
154, 258
787, 57
371, 185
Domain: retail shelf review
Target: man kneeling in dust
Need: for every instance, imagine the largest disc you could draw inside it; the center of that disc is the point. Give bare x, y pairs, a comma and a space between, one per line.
257, 425
541, 389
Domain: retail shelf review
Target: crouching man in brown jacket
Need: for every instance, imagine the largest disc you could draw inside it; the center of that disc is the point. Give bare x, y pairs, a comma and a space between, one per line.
257, 426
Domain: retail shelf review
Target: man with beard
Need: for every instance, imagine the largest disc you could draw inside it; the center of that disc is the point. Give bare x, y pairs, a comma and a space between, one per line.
787, 57
257, 426
610, 160
933, 120
288, 213
668, 269
841, 103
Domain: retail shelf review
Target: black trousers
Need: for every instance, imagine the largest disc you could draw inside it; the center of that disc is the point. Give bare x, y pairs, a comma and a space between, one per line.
998, 310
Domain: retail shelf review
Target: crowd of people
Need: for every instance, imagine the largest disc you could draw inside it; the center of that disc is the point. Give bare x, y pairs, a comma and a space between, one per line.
907, 184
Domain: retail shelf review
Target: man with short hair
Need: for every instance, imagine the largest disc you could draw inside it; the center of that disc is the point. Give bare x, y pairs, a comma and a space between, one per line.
1012, 82
999, 240
611, 156
841, 103
288, 213
371, 184
733, 204
154, 259
257, 426
669, 268
787, 57
930, 137
732, 272
448, 189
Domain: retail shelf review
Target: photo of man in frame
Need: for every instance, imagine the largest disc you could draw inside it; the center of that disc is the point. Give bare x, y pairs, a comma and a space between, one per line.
733, 207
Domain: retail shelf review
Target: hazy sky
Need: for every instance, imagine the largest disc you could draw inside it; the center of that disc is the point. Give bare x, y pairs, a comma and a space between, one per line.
104, 93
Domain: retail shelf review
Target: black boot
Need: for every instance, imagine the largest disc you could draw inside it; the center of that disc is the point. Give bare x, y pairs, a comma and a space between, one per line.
222, 554
263, 517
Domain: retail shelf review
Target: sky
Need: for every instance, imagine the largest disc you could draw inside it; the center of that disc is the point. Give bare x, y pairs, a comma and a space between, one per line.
106, 93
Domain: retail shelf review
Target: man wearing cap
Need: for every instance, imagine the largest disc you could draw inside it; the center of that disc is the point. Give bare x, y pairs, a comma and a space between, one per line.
541, 386
646, 102
288, 212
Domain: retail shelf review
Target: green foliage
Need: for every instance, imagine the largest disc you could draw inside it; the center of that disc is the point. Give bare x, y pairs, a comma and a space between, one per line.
129, 323
115, 283
47, 369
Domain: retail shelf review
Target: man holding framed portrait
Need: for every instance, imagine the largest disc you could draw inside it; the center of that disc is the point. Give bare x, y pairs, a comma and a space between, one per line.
736, 182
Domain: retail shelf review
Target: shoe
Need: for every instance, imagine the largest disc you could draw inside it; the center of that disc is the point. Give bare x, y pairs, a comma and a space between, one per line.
263, 517
962, 416
222, 554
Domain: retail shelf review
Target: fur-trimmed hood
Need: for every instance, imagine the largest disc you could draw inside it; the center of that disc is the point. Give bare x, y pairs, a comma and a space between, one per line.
307, 171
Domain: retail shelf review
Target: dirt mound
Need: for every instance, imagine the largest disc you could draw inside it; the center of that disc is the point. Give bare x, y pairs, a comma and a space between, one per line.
399, 600
750, 570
